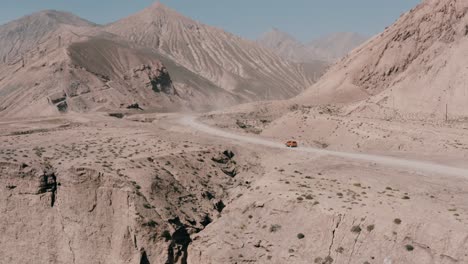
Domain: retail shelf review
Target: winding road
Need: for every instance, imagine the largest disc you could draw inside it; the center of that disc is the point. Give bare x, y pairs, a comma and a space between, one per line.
418, 166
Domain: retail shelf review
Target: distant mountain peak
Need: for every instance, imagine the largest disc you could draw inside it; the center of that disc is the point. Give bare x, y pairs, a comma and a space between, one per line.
161, 12
275, 37
34, 29
60, 17
327, 48
158, 5
276, 30
223, 58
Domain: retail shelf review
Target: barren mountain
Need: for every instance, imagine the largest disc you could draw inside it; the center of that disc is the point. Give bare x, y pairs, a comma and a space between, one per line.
193, 66
286, 46
363, 186
24, 34
237, 65
327, 49
413, 70
74, 66
95, 71
334, 46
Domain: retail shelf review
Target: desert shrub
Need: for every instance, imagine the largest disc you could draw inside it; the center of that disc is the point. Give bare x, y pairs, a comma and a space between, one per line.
328, 260
274, 228
356, 229
151, 223
340, 250
409, 247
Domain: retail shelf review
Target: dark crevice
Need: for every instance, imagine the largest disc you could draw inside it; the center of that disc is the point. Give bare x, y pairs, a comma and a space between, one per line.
48, 183
162, 83
62, 106
208, 195
354, 246
220, 206
178, 248
144, 258
134, 106
333, 234
180, 240
206, 221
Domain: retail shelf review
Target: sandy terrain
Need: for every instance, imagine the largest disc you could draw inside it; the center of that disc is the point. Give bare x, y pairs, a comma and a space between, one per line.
158, 187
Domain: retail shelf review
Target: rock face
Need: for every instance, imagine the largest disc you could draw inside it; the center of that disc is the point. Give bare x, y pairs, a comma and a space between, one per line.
158, 76
234, 64
227, 164
413, 70
80, 214
66, 211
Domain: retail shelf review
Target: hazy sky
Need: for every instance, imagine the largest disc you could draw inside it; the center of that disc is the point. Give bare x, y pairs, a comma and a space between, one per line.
304, 19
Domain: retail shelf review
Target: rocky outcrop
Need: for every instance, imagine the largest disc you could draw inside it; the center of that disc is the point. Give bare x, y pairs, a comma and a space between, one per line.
157, 77
77, 215
226, 163
48, 184
61, 211
59, 100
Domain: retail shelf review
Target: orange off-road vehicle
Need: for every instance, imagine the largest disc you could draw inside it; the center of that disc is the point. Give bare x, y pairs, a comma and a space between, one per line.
291, 144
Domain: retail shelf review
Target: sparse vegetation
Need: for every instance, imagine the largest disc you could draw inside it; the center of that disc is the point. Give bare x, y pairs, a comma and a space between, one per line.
356, 229
328, 260
150, 223
409, 247
274, 228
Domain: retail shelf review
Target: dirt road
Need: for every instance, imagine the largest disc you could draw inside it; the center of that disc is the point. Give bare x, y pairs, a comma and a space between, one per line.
421, 167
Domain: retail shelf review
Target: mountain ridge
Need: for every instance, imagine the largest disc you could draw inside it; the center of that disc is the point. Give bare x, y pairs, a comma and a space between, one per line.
328, 48
25, 33
413, 70
217, 69
228, 60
